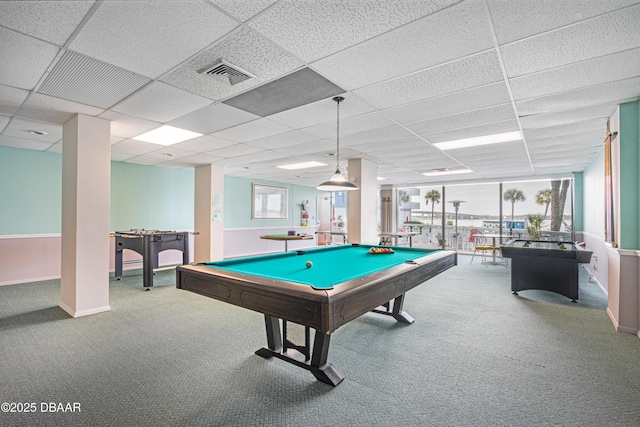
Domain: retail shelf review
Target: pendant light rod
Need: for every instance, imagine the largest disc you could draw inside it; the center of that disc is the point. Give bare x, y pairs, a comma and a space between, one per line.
337, 182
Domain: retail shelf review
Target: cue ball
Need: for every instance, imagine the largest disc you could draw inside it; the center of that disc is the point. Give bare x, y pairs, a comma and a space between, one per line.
309, 264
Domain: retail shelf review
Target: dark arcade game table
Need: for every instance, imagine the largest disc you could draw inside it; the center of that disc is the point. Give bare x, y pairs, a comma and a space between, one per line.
149, 243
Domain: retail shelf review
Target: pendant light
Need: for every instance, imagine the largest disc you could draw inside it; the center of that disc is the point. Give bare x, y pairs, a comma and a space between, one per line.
337, 182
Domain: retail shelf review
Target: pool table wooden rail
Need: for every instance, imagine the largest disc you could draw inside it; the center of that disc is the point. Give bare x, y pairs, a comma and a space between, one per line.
322, 310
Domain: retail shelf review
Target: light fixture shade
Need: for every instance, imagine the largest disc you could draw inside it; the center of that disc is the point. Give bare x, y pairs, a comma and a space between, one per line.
337, 182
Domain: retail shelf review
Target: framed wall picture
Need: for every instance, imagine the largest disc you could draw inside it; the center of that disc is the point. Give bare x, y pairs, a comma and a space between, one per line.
269, 202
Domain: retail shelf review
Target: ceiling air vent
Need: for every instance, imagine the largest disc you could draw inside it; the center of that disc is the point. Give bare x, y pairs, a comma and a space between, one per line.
227, 73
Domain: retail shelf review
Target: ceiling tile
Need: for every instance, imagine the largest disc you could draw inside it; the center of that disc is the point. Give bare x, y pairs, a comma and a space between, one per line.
299, 25
283, 140
599, 94
321, 112
236, 150
243, 48
458, 102
578, 75
242, 9
393, 54
512, 21
567, 129
256, 129
21, 128
213, 118
472, 71
11, 99
204, 143
349, 125
55, 148
614, 32
498, 113
25, 144
24, 59
120, 157
3, 122
148, 103
54, 110
127, 126
601, 111
46, 20
201, 159
169, 153
142, 160
133, 147
134, 34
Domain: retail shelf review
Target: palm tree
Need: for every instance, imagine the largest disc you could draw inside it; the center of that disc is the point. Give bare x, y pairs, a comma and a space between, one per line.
513, 195
432, 196
544, 198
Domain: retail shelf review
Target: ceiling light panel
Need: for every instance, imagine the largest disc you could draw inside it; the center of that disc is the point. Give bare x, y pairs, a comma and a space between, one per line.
303, 165
24, 59
167, 135
149, 103
88, 81
616, 31
298, 26
109, 32
245, 48
393, 54
466, 73
578, 75
473, 131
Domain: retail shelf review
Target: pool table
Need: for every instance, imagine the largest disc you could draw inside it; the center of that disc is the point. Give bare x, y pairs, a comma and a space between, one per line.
342, 283
545, 265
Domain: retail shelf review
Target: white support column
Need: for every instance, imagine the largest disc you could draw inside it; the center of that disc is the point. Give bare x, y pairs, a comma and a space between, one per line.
209, 210
86, 185
362, 209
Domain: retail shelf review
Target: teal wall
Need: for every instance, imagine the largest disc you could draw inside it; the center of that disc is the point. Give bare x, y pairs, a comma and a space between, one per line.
629, 178
30, 192
141, 196
593, 196
151, 197
238, 197
578, 201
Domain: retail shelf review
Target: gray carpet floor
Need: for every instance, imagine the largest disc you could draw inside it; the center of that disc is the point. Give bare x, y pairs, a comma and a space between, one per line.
475, 356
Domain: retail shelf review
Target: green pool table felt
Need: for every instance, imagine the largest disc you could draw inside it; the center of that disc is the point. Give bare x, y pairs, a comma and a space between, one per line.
331, 266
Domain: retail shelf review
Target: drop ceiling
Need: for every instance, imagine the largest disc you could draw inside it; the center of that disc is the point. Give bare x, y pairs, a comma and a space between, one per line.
412, 73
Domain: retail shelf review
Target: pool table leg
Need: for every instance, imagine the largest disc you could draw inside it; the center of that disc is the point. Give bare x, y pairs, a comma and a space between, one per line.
319, 367
395, 311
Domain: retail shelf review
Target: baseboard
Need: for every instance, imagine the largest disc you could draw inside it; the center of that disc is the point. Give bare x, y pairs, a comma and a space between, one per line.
619, 328
81, 313
29, 280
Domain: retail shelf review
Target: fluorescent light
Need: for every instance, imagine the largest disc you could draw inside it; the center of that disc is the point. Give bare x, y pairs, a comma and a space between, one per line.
447, 172
381, 178
478, 140
303, 165
167, 135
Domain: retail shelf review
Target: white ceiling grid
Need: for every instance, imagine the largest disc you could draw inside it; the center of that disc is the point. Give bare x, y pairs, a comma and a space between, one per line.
414, 72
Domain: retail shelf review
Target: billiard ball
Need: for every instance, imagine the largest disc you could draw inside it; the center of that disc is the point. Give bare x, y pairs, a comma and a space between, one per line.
309, 264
